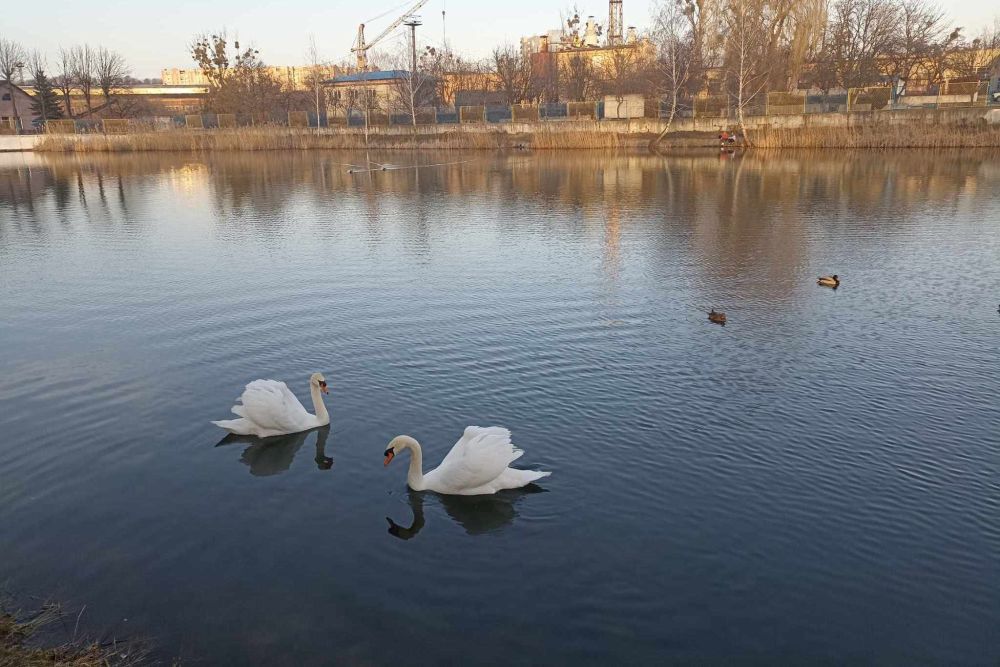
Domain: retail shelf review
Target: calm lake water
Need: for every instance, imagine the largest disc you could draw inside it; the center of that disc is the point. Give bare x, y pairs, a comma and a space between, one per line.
816, 482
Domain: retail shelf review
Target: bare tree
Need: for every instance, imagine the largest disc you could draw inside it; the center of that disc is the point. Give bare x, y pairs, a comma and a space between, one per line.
806, 38
110, 73
84, 73
513, 74
975, 57
704, 18
317, 74
238, 81
623, 72
11, 60
417, 85
437, 64
675, 53
65, 78
577, 79
746, 66
861, 35
922, 43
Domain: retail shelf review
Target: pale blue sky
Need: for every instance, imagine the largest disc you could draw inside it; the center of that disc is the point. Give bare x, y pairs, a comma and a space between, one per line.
154, 35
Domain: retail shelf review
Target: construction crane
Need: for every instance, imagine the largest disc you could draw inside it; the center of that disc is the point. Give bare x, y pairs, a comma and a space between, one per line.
361, 47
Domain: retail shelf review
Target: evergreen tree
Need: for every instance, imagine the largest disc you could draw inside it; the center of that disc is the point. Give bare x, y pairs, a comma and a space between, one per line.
46, 102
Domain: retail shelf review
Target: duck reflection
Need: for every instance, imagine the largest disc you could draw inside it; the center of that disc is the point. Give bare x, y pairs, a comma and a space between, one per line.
476, 514
273, 456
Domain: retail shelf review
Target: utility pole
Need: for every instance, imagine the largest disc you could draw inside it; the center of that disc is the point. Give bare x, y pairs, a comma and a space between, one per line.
412, 24
444, 28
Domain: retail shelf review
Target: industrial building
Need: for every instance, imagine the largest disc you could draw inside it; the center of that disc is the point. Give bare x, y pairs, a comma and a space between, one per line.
148, 99
293, 77
570, 39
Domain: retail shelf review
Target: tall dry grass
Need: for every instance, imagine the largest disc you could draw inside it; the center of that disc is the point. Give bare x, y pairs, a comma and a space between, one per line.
18, 648
263, 139
544, 136
880, 137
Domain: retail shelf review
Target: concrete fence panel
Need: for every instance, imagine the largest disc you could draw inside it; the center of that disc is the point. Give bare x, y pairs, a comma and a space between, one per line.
60, 127
581, 110
227, 120
378, 118
868, 99
711, 106
115, 126
426, 116
194, 122
785, 104
474, 114
447, 116
525, 113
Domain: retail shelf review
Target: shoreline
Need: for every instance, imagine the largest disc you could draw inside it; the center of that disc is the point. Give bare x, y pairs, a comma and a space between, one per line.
960, 127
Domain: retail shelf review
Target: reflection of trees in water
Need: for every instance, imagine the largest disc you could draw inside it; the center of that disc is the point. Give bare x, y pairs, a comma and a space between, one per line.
94, 190
718, 197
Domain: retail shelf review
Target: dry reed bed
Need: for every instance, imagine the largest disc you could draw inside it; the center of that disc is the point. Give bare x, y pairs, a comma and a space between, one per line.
263, 139
880, 137
872, 137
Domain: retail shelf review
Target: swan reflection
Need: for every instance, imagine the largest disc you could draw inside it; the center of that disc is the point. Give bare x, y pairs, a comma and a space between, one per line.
273, 456
476, 514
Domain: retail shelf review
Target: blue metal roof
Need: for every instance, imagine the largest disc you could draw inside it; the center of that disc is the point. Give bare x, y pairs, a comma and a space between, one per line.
382, 75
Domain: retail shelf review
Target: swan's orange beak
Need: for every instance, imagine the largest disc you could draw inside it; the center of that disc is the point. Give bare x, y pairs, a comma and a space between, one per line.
389, 455
322, 388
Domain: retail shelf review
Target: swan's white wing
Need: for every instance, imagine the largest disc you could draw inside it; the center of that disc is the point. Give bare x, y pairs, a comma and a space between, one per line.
480, 456
273, 407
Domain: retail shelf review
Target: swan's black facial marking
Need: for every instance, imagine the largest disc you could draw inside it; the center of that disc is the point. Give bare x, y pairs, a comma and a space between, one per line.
322, 383
388, 454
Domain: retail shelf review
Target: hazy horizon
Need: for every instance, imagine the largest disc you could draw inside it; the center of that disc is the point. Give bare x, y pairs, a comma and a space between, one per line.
151, 41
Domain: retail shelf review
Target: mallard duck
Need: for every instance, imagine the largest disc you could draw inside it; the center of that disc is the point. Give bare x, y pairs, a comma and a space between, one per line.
718, 318
829, 281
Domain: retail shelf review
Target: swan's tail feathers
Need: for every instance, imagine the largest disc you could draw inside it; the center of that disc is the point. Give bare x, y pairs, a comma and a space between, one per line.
237, 426
515, 478
239, 410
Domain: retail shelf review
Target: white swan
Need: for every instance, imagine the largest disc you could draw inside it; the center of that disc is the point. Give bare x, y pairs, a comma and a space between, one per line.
270, 408
476, 465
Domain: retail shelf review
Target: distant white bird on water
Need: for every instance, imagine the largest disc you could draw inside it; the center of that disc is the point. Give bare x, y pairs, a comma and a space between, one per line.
270, 408
476, 465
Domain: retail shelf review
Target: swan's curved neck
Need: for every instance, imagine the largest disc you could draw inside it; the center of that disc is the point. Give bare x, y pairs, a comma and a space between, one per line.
322, 416
415, 475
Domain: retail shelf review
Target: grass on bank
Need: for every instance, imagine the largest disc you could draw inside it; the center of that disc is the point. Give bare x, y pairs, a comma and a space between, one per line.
874, 136
20, 646
278, 138
881, 137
